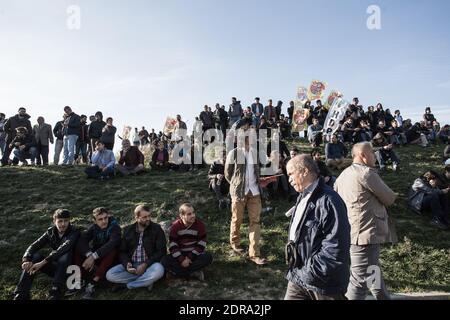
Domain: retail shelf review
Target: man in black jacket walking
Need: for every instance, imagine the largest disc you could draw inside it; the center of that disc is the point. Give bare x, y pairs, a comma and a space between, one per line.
142, 248
61, 239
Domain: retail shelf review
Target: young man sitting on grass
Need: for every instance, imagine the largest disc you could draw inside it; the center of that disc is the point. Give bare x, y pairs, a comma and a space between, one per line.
61, 239
98, 249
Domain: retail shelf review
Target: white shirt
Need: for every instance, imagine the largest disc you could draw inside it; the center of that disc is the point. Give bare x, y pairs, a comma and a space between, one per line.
250, 178
301, 209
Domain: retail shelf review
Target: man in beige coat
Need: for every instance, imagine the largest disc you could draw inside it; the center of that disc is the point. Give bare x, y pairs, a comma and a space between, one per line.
366, 197
43, 134
242, 172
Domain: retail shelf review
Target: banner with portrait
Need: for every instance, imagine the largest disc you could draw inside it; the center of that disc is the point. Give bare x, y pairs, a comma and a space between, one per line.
169, 126
316, 90
299, 117
331, 98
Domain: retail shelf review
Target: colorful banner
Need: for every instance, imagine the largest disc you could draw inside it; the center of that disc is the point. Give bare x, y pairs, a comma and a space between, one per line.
330, 100
299, 117
316, 90
302, 94
334, 117
170, 125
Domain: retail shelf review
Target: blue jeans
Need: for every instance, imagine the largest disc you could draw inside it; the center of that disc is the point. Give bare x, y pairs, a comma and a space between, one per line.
2, 146
22, 156
119, 274
70, 143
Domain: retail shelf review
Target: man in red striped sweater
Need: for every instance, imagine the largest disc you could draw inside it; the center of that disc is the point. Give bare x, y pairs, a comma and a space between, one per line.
187, 255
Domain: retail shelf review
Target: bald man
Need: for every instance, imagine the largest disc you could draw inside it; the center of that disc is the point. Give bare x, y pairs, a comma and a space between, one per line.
366, 197
318, 251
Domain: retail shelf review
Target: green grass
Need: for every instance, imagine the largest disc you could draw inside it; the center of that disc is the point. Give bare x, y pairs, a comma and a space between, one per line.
420, 262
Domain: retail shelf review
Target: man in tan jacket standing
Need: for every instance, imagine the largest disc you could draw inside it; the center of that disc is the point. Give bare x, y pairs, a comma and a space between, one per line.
242, 172
366, 197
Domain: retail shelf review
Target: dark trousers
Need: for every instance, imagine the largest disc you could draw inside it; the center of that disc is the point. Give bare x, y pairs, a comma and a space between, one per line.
6, 152
173, 265
221, 190
95, 172
55, 269
42, 154
101, 266
384, 155
81, 148
295, 292
437, 204
163, 167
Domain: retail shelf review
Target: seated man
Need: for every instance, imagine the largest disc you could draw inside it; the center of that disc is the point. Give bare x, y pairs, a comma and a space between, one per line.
131, 160
315, 133
61, 239
98, 249
217, 181
323, 170
160, 158
335, 153
446, 156
384, 152
348, 130
24, 145
187, 245
142, 247
398, 137
444, 134
103, 162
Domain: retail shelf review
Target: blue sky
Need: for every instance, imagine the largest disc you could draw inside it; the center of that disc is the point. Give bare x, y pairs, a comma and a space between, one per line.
141, 61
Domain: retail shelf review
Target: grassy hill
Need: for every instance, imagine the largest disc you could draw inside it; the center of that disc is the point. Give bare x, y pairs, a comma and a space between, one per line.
29, 195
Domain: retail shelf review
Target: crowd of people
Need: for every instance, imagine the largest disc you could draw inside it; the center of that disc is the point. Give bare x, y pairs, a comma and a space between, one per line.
338, 222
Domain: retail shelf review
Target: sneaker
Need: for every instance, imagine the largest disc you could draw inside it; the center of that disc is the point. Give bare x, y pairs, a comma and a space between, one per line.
394, 167
199, 275
238, 250
438, 224
21, 296
55, 294
118, 287
89, 292
259, 261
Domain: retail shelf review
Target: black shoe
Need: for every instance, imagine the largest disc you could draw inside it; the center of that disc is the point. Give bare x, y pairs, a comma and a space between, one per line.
438, 224
89, 292
118, 287
21, 296
55, 294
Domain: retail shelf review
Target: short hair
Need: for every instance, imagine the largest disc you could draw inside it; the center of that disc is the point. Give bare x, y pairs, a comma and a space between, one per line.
61, 214
2, 114
99, 142
315, 151
430, 175
295, 149
99, 211
185, 205
360, 146
140, 208
302, 162
83, 116
109, 118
